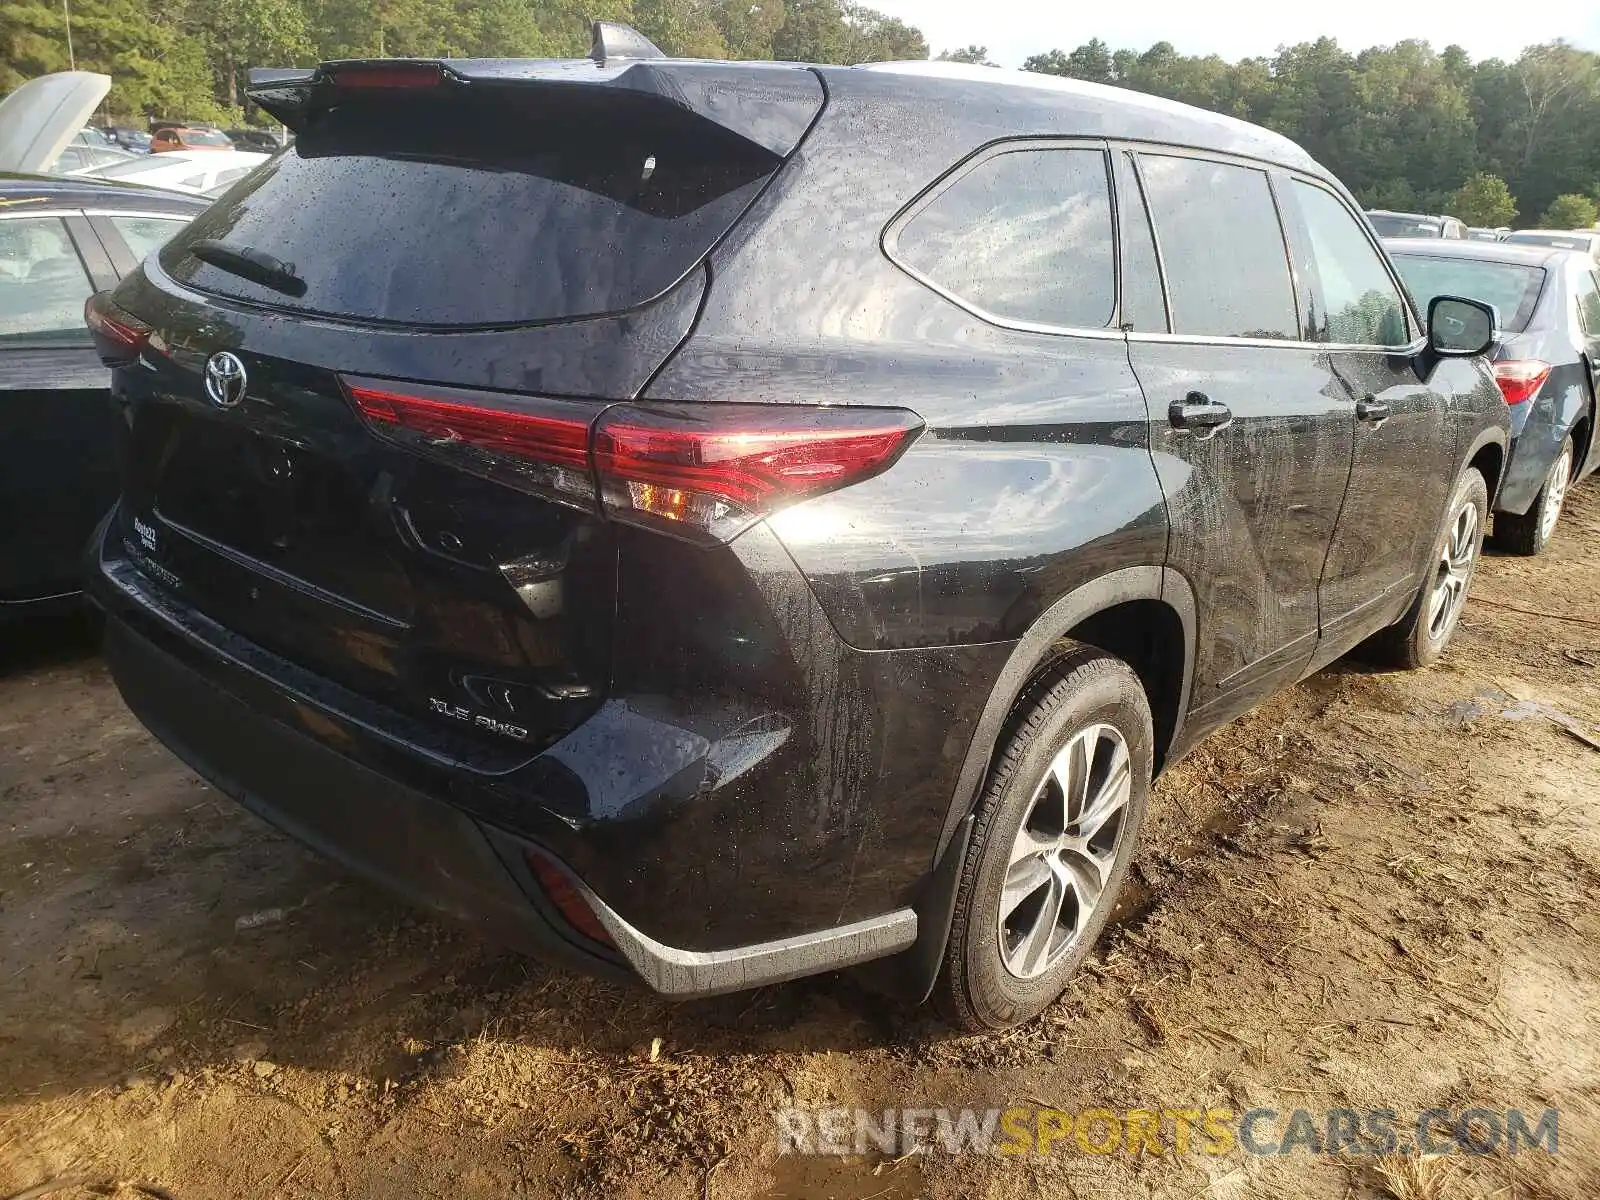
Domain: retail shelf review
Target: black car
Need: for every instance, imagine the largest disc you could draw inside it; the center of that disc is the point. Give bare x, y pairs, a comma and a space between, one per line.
717, 522
61, 240
135, 140
262, 140
1547, 360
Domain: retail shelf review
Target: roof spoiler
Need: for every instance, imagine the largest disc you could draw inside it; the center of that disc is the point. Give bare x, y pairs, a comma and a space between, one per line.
769, 105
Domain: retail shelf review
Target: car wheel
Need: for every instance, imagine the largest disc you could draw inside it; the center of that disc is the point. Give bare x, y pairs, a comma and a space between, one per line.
1420, 637
1530, 532
1056, 829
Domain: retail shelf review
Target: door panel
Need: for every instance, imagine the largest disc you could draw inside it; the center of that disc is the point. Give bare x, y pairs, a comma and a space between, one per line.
1252, 507
1403, 462
1252, 503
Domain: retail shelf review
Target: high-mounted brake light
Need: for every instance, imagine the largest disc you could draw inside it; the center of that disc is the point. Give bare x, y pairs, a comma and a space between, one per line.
709, 471
387, 75
1520, 379
704, 472
119, 337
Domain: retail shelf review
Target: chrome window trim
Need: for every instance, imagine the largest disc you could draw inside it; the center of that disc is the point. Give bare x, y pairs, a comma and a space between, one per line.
59, 213
1412, 348
889, 240
130, 212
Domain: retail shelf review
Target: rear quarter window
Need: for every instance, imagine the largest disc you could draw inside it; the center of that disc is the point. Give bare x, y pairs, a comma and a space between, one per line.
1024, 236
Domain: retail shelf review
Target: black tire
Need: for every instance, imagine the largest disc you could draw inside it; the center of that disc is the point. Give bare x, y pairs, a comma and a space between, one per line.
1529, 533
1087, 689
1416, 640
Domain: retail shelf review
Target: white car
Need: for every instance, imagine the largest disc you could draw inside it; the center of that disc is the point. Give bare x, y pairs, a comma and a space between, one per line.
196, 171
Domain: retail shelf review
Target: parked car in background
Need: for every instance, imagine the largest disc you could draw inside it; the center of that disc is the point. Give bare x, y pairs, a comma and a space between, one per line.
1587, 242
188, 138
196, 172
61, 240
263, 141
1546, 359
1398, 224
134, 140
77, 158
824, 579
1478, 233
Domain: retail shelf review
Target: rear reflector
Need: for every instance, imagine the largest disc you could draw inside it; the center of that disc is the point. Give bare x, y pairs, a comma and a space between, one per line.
704, 472
119, 337
709, 471
532, 444
562, 892
1520, 379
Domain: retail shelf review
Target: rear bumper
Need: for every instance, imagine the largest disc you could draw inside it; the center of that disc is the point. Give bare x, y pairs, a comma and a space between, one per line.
353, 782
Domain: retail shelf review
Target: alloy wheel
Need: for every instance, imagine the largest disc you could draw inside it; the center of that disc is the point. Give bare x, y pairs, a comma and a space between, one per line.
1555, 491
1454, 571
1065, 852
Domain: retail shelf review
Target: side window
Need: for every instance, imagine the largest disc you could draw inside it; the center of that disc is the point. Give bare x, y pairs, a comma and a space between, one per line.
1144, 306
146, 234
1023, 236
1222, 247
1359, 304
1589, 303
42, 282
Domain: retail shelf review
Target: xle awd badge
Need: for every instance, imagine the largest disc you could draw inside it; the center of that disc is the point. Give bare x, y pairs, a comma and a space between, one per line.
225, 379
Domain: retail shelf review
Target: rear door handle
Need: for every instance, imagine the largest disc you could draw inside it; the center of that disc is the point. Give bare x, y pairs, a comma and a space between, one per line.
1198, 414
1373, 411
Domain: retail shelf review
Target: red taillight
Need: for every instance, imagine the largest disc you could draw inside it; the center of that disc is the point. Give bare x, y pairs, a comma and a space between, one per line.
705, 472
1520, 379
118, 336
388, 75
562, 892
540, 444
708, 471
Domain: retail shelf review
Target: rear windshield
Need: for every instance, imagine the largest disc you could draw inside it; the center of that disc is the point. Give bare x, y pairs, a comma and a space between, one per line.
482, 211
1400, 225
1513, 290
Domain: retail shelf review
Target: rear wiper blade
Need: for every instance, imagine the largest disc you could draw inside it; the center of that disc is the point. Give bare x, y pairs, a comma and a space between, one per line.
250, 264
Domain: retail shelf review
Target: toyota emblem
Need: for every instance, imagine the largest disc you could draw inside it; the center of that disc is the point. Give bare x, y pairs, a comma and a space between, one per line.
225, 379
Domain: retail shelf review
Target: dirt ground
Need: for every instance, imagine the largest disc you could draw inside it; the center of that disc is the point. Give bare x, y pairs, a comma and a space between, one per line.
1377, 891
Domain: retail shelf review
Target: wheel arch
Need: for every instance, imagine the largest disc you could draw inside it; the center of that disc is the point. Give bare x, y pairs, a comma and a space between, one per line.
1487, 453
1105, 609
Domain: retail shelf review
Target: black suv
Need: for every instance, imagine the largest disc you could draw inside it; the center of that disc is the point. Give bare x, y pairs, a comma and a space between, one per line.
721, 522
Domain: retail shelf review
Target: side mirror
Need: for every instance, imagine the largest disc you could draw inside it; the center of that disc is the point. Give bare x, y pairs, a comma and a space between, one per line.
1460, 328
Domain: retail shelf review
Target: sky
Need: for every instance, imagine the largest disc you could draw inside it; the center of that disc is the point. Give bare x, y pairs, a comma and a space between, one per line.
1014, 29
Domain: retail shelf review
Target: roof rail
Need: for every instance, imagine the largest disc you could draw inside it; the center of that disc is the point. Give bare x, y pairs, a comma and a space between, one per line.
612, 39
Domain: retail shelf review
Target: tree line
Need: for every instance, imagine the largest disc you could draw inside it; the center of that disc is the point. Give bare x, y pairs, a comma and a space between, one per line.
1405, 126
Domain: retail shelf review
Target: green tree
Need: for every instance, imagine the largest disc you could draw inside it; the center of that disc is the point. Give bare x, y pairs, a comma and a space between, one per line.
978, 55
1483, 200
155, 70
1572, 210
812, 31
